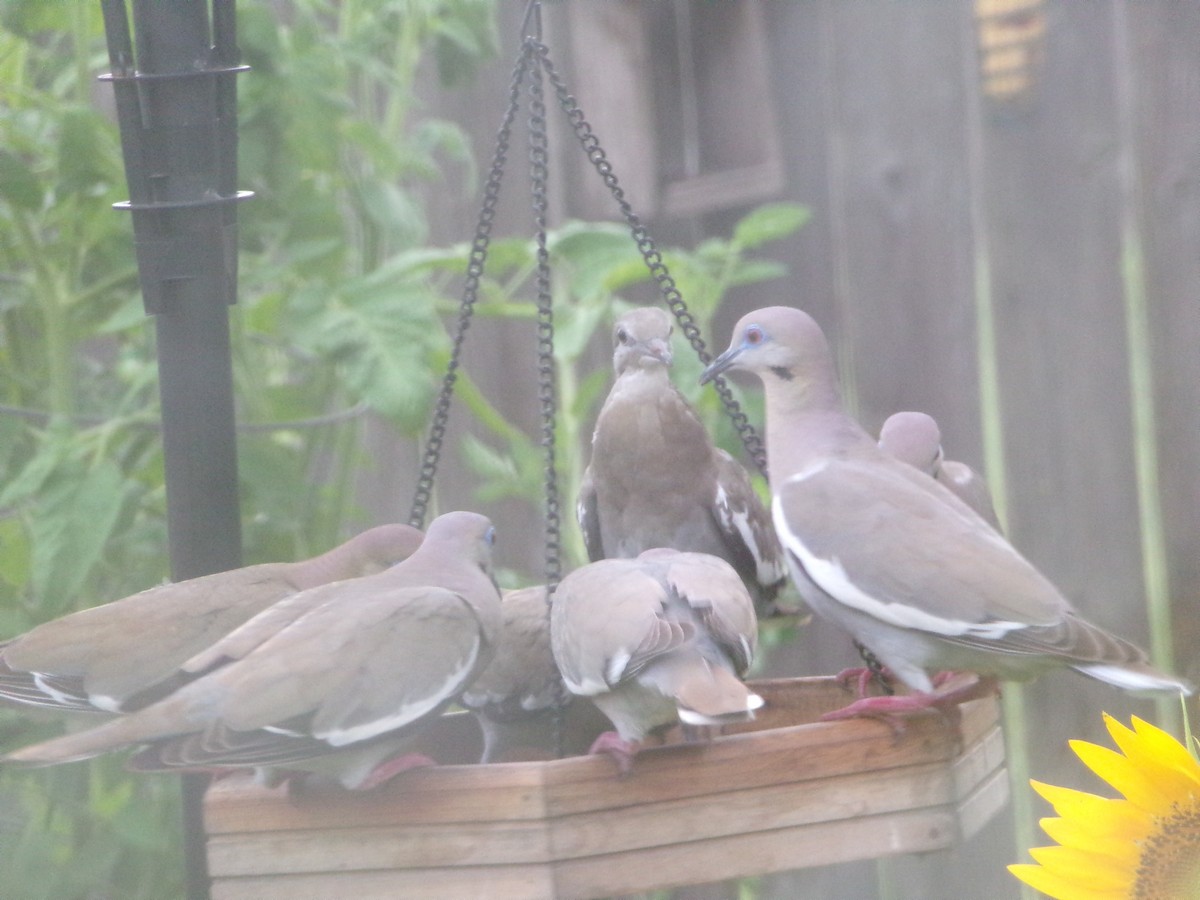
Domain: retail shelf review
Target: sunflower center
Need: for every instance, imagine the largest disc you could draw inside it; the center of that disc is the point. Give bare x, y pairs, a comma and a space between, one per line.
1169, 867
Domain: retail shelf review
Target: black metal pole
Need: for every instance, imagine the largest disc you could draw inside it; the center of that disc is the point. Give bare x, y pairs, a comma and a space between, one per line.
177, 114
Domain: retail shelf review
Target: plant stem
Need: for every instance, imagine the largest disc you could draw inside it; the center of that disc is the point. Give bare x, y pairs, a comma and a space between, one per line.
48, 287
1016, 720
571, 455
80, 12
1156, 579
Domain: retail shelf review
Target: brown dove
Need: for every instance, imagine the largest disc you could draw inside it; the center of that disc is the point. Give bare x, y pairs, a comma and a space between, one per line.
655, 477
915, 438
116, 657
516, 697
339, 689
654, 641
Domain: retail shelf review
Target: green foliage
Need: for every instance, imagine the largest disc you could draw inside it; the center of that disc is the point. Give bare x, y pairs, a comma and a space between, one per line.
334, 280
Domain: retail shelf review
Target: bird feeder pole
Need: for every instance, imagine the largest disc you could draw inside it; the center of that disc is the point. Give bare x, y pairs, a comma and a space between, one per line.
176, 105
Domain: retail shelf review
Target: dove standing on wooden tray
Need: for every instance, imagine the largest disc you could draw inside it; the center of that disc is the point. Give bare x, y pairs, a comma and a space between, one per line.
894, 558
119, 656
654, 641
342, 689
523, 708
655, 478
915, 438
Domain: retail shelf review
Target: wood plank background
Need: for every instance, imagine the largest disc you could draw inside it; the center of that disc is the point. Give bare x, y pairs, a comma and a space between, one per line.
925, 199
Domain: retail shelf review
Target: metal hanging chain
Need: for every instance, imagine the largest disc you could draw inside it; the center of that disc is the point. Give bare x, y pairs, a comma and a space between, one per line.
653, 258
539, 176
547, 390
479, 251
876, 668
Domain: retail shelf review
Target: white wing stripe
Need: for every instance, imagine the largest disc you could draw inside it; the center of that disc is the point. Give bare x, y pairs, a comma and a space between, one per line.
409, 712
831, 577
767, 571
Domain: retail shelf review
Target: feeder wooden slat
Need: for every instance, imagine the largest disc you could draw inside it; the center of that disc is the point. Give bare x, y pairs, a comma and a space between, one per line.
782, 793
492, 882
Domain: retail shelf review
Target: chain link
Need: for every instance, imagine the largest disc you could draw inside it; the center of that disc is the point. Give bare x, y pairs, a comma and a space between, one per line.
876, 667
653, 258
479, 250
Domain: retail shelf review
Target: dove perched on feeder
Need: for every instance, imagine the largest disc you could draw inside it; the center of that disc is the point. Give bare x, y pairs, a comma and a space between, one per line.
119, 656
914, 438
517, 698
340, 689
655, 478
895, 559
654, 641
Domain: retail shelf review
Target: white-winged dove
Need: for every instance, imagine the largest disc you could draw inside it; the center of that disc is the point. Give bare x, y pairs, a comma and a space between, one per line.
116, 657
655, 477
894, 558
915, 438
338, 690
520, 700
656, 640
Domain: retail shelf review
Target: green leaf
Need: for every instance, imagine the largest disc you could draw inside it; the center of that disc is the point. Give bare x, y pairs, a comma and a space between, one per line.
29, 17
381, 333
437, 135
395, 212
515, 474
464, 36
131, 313
576, 324
751, 271
769, 222
487, 462
73, 520
52, 451
592, 388
81, 160
18, 185
592, 252
15, 560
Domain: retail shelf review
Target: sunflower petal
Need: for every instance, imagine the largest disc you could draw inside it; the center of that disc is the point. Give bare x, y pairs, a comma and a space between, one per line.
1084, 867
1109, 815
1136, 786
1158, 754
1097, 837
1053, 884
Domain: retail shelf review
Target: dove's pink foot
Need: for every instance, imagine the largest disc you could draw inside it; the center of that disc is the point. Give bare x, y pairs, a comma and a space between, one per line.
390, 768
861, 677
621, 750
892, 708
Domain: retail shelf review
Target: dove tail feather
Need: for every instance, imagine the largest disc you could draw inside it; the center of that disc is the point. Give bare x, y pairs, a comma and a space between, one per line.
712, 695
1137, 679
86, 744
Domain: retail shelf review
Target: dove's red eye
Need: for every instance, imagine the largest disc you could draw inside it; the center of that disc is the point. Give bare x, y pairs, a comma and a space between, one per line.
754, 335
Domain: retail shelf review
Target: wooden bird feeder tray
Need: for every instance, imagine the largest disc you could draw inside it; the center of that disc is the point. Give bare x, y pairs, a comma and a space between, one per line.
784, 792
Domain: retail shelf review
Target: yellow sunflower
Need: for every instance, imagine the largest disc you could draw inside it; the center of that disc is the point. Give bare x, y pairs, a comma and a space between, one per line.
1145, 847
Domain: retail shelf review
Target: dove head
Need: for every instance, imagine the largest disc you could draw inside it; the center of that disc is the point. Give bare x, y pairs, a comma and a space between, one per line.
466, 536
642, 339
787, 350
913, 438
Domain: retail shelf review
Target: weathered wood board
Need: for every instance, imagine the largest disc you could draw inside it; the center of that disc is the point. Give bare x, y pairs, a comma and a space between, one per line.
785, 792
